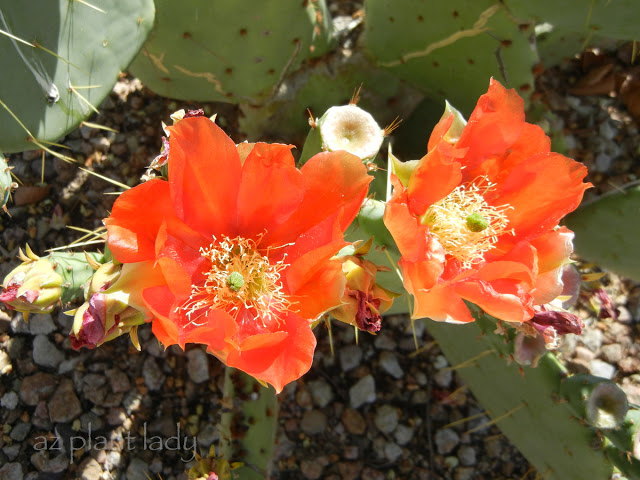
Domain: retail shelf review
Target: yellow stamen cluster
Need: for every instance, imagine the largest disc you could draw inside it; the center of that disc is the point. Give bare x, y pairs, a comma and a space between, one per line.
239, 275
464, 224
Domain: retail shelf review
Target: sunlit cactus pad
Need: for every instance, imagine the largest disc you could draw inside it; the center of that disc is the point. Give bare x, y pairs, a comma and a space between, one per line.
87, 45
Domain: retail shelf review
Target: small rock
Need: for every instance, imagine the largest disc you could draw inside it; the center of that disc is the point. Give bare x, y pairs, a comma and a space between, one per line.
9, 400
137, 470
41, 324
443, 378
349, 470
20, 431
89, 469
321, 392
198, 365
112, 461
18, 325
446, 440
64, 405
12, 452
384, 342
11, 471
602, 369
403, 434
45, 353
36, 387
116, 416
467, 456
353, 421
118, 380
207, 435
389, 363
153, 376
386, 418
592, 338
612, 353
350, 357
392, 452
312, 469
364, 391
464, 473
313, 422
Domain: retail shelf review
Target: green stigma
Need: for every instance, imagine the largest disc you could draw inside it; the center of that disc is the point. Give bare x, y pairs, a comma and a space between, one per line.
476, 222
235, 281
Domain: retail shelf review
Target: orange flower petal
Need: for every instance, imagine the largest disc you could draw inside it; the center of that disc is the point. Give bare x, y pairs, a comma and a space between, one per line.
270, 190
135, 219
204, 173
282, 362
321, 292
333, 181
540, 191
441, 303
437, 174
495, 124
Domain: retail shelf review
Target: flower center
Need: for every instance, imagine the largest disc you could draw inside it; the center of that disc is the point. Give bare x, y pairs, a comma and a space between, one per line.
464, 224
239, 275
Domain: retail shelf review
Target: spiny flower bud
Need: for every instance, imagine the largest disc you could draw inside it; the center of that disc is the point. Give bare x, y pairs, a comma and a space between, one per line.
34, 286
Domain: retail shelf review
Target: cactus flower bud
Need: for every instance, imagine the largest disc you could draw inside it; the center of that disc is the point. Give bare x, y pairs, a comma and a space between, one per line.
34, 286
364, 301
113, 306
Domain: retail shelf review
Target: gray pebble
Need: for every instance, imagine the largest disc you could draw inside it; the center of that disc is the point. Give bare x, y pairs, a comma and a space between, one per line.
384, 342
118, 380
41, 324
350, 357
392, 452
11, 471
198, 365
11, 451
592, 339
464, 473
9, 400
36, 387
443, 378
45, 353
467, 456
137, 470
18, 325
389, 363
364, 391
20, 431
321, 392
446, 440
153, 376
69, 365
603, 369
403, 434
612, 353
207, 435
386, 418
313, 422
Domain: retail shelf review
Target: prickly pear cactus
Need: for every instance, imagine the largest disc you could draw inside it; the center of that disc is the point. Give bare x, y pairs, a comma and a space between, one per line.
607, 232
76, 270
249, 404
228, 50
64, 58
568, 28
449, 49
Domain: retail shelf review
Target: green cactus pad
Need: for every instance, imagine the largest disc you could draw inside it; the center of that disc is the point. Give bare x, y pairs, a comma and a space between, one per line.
607, 232
523, 400
227, 50
450, 49
89, 45
75, 272
257, 407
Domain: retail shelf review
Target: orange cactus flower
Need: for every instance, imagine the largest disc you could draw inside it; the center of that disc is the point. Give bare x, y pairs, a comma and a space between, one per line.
476, 218
243, 242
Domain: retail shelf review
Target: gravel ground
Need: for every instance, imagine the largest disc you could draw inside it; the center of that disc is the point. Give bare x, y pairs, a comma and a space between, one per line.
376, 410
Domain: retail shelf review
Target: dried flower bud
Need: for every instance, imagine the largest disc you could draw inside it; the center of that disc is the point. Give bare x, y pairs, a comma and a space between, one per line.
364, 301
